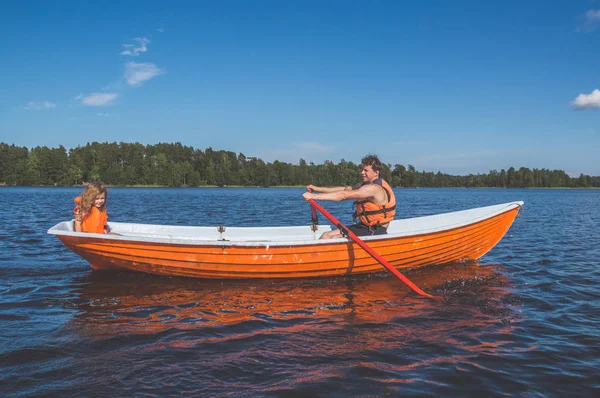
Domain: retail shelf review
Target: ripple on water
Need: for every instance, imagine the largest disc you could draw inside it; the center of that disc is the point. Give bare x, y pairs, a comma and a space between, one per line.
523, 322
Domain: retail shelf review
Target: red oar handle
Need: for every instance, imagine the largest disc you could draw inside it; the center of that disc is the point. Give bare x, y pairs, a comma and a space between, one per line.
372, 252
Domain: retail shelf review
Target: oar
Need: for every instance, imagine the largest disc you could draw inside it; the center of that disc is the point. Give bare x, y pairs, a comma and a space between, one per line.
372, 252
315, 220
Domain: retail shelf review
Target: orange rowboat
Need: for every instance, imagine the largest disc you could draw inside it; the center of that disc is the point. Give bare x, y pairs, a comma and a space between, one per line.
288, 252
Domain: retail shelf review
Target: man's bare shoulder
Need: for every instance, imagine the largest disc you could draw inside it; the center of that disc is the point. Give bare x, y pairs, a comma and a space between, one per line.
368, 190
375, 192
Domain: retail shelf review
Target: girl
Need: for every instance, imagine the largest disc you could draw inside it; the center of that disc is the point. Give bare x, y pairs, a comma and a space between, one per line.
90, 211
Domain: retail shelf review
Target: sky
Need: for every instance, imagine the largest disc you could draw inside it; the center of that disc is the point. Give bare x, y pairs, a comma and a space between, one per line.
453, 86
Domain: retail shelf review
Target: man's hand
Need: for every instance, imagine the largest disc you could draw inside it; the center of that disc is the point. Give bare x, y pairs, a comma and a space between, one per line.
308, 195
311, 188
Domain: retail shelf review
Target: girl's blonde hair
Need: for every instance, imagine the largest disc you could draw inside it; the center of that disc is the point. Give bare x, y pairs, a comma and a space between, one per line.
89, 196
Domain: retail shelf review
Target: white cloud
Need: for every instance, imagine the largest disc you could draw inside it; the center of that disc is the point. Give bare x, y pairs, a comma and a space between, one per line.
97, 99
38, 106
137, 73
587, 101
131, 49
592, 16
591, 20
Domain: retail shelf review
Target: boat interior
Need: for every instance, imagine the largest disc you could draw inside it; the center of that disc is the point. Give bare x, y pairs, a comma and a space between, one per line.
281, 235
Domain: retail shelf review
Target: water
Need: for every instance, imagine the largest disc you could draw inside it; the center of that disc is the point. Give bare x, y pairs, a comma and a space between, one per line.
523, 321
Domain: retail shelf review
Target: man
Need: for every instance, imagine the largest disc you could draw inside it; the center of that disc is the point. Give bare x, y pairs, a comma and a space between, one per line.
374, 199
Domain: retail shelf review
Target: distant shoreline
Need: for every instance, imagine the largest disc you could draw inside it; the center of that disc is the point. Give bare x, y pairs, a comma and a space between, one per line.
176, 165
275, 186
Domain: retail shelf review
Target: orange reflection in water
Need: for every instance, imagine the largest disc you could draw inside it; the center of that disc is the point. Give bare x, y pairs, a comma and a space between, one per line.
116, 303
369, 323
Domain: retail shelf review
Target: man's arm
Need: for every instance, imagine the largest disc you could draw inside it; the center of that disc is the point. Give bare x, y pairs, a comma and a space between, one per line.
314, 188
364, 192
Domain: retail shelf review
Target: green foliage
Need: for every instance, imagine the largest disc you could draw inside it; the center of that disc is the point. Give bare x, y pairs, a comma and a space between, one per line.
175, 165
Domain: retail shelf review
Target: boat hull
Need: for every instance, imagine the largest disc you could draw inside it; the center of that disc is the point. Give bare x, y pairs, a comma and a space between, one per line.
225, 260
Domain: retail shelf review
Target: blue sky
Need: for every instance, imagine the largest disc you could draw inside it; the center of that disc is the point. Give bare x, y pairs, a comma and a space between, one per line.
455, 86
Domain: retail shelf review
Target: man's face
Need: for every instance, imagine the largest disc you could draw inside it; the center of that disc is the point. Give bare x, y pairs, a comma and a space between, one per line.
368, 175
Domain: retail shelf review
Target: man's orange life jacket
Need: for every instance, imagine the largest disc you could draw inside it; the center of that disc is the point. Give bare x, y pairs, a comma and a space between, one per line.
93, 222
370, 213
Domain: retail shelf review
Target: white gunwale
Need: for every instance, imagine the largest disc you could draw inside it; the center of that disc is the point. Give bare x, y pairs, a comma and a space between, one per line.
280, 236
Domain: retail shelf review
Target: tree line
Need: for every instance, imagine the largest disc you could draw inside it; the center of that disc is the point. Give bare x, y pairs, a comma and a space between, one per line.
177, 165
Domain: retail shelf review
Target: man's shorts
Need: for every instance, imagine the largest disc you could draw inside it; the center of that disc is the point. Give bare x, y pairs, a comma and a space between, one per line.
361, 229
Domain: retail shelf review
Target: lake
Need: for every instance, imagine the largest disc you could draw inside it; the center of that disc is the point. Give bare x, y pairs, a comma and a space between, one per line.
524, 320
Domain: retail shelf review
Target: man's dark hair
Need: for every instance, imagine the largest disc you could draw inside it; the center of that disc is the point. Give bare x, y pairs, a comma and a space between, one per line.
373, 161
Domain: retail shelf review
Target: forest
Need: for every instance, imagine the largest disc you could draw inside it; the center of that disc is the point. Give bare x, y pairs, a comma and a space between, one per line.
176, 165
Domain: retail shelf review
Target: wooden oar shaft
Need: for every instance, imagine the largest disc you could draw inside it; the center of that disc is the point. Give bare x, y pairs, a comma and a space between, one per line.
372, 252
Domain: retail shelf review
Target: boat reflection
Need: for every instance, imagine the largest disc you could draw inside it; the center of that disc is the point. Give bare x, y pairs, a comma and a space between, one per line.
114, 303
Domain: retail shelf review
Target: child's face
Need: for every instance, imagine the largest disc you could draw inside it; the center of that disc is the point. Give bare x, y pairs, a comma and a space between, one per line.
100, 200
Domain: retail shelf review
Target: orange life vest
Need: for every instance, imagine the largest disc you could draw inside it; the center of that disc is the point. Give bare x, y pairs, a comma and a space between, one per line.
95, 221
370, 213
